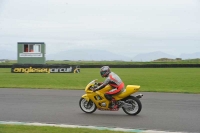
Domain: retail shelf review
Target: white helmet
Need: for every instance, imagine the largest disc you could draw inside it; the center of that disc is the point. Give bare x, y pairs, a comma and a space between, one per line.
104, 71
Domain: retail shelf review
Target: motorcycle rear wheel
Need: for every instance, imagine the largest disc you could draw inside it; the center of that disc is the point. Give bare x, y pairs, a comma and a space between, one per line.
137, 106
87, 106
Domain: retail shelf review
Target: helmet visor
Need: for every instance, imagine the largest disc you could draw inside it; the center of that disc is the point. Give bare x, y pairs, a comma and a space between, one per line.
103, 73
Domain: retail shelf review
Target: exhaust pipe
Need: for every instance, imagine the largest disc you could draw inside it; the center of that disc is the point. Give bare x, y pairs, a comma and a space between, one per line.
139, 96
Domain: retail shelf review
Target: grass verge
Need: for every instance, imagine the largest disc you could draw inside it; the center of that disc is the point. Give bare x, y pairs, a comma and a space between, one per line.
46, 129
181, 80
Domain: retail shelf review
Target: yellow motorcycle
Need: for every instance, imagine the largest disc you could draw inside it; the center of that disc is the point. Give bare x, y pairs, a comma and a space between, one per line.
91, 101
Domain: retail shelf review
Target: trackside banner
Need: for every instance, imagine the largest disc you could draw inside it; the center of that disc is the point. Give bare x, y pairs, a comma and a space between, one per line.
24, 68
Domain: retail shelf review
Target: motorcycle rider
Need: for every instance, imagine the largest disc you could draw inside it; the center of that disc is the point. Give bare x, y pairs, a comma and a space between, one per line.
113, 80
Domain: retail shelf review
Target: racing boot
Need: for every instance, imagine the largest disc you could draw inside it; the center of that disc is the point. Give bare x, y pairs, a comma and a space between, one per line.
112, 104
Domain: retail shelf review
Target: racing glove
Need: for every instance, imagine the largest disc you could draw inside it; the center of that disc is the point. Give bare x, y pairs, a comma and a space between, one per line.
94, 89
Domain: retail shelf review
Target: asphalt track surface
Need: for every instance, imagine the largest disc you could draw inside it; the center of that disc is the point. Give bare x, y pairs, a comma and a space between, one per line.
161, 111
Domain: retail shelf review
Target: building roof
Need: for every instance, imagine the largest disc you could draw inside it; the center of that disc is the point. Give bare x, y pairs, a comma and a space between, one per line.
31, 43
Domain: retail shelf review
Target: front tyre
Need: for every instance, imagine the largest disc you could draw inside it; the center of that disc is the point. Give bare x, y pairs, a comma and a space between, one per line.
87, 106
136, 106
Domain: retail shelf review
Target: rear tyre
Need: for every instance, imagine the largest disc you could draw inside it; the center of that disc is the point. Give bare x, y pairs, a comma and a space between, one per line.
87, 106
136, 106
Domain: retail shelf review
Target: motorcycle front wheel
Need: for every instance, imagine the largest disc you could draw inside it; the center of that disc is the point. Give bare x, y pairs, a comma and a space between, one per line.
136, 106
87, 106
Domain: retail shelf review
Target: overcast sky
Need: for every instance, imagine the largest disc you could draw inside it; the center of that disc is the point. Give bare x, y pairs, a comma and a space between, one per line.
126, 27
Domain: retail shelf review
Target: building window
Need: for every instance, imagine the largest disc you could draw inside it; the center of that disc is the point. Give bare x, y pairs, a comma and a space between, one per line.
25, 48
37, 48
32, 48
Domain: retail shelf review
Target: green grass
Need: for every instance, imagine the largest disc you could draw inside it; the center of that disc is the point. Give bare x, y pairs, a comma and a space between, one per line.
183, 80
45, 129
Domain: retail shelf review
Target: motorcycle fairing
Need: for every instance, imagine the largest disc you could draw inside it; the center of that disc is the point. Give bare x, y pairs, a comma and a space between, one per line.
130, 89
93, 95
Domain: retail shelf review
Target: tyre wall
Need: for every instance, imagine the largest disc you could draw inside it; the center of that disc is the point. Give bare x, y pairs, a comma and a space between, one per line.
112, 66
